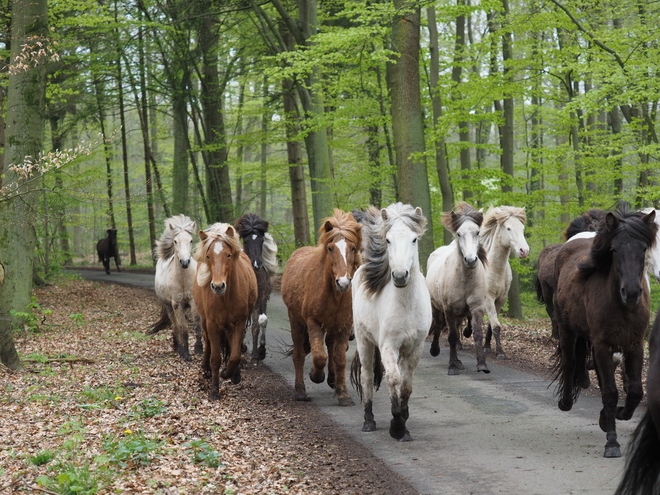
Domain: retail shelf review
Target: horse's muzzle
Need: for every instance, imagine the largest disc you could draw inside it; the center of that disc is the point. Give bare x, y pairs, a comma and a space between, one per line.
400, 280
343, 284
256, 265
470, 262
219, 289
185, 263
630, 298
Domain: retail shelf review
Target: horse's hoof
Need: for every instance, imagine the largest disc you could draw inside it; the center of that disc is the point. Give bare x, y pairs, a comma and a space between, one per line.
435, 349
487, 350
369, 425
453, 370
236, 378
459, 364
199, 349
501, 355
318, 377
613, 450
565, 405
406, 437
243, 348
261, 354
483, 368
302, 397
399, 432
585, 382
213, 396
620, 414
345, 401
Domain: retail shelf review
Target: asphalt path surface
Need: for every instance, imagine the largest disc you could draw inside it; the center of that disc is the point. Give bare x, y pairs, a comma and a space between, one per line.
473, 433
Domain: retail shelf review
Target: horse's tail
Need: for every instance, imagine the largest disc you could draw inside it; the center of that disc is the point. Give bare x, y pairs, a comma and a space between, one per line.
163, 322
356, 369
643, 464
579, 364
539, 290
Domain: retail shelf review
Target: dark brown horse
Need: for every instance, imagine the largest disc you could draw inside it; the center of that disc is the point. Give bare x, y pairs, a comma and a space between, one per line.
602, 303
260, 247
546, 282
641, 476
225, 293
316, 288
107, 248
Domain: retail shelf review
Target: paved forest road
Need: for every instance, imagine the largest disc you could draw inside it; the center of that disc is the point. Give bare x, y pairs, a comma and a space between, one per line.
474, 433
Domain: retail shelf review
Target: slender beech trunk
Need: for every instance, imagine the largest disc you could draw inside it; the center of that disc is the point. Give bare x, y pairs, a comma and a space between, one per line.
456, 76
98, 90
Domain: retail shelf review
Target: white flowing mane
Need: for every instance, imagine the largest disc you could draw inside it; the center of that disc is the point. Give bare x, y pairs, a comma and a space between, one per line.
269, 255
173, 226
496, 216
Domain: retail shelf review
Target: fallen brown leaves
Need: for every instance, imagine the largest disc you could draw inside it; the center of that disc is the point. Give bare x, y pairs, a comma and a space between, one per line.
101, 408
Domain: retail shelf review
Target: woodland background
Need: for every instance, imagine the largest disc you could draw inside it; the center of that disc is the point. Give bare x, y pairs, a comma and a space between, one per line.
122, 113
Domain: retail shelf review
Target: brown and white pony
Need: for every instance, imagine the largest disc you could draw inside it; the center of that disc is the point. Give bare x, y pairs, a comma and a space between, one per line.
316, 288
225, 293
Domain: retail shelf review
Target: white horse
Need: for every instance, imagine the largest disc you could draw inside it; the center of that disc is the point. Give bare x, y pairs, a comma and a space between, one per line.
456, 279
175, 273
391, 310
502, 233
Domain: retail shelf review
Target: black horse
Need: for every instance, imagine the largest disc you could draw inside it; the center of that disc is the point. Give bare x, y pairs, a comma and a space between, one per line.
642, 474
107, 248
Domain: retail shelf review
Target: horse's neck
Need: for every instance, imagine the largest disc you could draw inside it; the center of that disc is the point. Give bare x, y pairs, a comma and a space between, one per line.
498, 254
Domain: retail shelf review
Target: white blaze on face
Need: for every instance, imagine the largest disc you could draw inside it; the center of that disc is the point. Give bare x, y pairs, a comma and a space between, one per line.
342, 247
218, 247
254, 236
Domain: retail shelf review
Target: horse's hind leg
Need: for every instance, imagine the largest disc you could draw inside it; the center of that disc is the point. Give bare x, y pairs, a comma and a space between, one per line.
337, 347
180, 331
455, 364
106, 264
436, 328
199, 348
263, 323
494, 329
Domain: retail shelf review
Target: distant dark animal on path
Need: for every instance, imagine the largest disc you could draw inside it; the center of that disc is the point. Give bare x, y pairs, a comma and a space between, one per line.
225, 293
175, 274
107, 248
642, 473
260, 247
602, 304
316, 288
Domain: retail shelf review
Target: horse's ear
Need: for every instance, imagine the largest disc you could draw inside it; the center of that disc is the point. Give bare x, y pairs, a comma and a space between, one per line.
170, 226
383, 214
230, 231
327, 226
611, 221
650, 217
418, 211
203, 235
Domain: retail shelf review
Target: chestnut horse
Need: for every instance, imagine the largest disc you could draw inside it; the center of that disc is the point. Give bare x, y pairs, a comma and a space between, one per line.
260, 247
602, 303
225, 294
643, 464
316, 288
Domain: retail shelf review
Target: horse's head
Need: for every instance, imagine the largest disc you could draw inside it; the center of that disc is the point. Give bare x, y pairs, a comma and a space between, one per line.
626, 237
182, 244
112, 237
465, 223
653, 253
252, 229
341, 237
404, 225
506, 224
219, 250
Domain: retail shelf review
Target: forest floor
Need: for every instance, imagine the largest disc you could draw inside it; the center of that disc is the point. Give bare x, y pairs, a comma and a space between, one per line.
102, 408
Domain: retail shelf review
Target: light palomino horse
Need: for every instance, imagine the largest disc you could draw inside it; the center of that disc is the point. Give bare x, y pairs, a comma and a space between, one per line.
391, 310
225, 292
502, 233
260, 247
175, 273
456, 279
316, 288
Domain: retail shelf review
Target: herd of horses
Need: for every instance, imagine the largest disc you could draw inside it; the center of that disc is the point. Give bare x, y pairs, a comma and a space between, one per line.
363, 279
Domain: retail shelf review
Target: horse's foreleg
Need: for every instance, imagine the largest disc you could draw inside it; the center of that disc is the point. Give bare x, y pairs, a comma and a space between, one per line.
477, 329
117, 262
215, 345
263, 322
390, 358
610, 397
408, 366
337, 347
455, 364
233, 368
298, 332
199, 348
633, 360
106, 264
319, 356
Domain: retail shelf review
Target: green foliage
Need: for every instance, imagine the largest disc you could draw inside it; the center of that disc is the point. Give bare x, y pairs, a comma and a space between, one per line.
148, 408
133, 449
73, 480
43, 457
30, 319
201, 453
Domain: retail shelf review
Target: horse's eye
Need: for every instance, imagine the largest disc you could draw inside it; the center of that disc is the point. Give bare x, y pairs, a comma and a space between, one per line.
457, 234
414, 240
176, 242
228, 256
329, 249
509, 229
353, 249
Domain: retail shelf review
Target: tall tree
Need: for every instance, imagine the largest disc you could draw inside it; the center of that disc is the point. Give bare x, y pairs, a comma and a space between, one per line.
24, 135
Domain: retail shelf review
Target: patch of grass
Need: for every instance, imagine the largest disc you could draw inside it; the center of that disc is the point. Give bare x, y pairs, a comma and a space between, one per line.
43, 457
132, 449
202, 453
148, 408
69, 479
99, 396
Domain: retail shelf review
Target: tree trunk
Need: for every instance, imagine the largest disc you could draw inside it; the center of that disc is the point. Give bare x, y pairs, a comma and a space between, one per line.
24, 135
98, 89
441, 164
407, 121
456, 76
265, 117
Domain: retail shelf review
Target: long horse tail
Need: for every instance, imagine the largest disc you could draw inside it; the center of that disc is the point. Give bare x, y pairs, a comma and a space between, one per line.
643, 464
579, 364
163, 322
539, 290
356, 370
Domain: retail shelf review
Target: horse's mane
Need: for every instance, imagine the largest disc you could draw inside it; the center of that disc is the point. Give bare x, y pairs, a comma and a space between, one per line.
341, 224
251, 223
589, 221
464, 212
600, 256
495, 216
173, 226
376, 224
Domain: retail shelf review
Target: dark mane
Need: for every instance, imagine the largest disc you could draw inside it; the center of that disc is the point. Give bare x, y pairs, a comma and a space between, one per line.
625, 220
251, 223
589, 221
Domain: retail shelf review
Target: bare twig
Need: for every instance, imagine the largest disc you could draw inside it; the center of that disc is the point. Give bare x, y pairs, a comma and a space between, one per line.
61, 360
